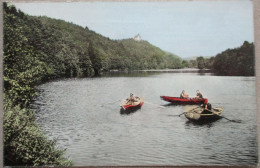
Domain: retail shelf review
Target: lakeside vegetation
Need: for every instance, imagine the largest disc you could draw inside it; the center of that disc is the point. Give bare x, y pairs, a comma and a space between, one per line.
239, 61
24, 68
236, 62
39, 49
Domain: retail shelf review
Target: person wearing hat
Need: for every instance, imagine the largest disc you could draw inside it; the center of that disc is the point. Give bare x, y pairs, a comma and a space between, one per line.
206, 106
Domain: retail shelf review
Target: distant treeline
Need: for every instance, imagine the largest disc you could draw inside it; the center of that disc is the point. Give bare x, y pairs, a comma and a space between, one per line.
233, 62
239, 61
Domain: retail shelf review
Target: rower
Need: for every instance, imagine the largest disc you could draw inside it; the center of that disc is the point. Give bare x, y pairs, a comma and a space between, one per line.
206, 106
199, 95
132, 99
184, 95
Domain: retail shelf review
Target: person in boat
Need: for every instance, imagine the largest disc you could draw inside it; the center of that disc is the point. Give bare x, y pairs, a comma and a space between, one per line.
184, 95
206, 107
199, 95
131, 99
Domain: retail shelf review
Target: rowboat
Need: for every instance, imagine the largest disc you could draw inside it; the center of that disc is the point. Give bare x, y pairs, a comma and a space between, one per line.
178, 100
201, 115
132, 105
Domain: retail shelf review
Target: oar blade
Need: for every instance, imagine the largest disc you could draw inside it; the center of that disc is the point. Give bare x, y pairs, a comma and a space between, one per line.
236, 121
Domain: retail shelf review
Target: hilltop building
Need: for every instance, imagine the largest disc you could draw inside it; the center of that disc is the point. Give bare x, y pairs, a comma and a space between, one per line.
137, 37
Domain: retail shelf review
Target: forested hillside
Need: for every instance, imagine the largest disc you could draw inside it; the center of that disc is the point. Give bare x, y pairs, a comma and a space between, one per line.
148, 56
233, 62
238, 61
71, 50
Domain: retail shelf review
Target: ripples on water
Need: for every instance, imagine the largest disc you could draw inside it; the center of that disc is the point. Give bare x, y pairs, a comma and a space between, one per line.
84, 116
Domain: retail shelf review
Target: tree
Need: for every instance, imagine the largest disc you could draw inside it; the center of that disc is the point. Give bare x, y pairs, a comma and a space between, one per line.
185, 64
201, 62
95, 59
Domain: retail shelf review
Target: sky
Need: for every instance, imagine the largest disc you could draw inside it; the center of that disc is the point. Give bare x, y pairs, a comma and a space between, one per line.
185, 28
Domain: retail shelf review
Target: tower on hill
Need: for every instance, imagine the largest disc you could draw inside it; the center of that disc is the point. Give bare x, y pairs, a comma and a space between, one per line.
137, 37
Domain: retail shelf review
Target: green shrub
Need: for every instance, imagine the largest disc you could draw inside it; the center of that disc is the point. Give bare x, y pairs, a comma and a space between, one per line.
25, 144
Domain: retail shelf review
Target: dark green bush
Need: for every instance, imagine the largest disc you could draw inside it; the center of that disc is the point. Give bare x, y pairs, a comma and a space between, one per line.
25, 144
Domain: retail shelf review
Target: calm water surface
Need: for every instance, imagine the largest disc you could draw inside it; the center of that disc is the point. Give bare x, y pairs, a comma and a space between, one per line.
84, 116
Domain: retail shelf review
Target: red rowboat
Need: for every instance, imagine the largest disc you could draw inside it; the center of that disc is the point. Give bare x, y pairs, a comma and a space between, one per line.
179, 100
128, 105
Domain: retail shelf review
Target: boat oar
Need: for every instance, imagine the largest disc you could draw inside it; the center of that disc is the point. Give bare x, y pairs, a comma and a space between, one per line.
181, 114
236, 121
177, 115
184, 112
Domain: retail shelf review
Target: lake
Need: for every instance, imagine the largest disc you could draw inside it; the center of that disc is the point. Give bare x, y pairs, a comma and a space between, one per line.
84, 116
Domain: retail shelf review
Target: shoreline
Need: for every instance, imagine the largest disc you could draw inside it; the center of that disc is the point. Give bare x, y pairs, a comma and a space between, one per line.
176, 70
165, 70
184, 70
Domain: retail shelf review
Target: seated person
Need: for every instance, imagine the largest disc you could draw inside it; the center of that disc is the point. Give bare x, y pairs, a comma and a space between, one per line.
199, 95
184, 95
131, 99
206, 107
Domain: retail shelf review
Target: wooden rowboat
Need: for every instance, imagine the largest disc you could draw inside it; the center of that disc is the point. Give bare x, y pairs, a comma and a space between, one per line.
200, 115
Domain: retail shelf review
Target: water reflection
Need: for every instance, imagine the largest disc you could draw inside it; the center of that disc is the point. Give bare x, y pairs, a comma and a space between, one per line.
129, 74
208, 124
146, 73
129, 111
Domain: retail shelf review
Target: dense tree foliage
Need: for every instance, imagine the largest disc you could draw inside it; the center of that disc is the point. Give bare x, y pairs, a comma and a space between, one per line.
204, 63
143, 55
238, 61
234, 62
24, 144
96, 52
201, 62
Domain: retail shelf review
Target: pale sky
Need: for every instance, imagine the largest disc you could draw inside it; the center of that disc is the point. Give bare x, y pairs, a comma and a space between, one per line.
185, 28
